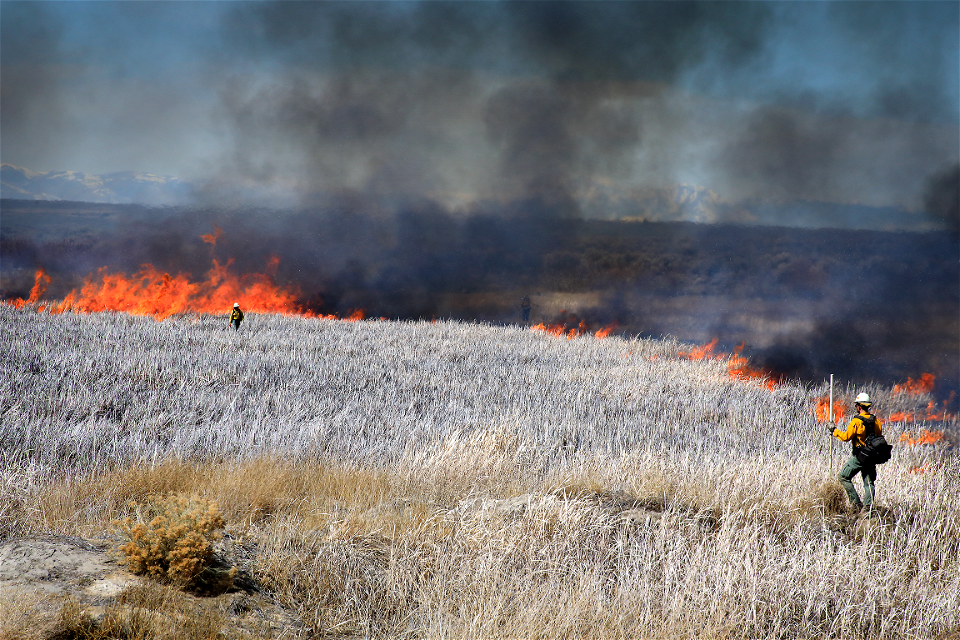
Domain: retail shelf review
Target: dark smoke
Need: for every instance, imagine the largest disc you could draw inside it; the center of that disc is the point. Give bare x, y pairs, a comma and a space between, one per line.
548, 135
942, 199
496, 100
794, 155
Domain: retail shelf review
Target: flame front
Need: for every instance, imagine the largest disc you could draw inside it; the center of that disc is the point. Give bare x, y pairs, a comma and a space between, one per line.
153, 292
932, 412
159, 294
739, 368
572, 327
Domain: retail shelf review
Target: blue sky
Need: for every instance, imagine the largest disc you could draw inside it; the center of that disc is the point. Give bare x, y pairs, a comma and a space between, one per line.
853, 102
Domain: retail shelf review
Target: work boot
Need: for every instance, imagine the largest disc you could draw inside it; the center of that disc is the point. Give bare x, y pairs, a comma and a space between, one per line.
856, 508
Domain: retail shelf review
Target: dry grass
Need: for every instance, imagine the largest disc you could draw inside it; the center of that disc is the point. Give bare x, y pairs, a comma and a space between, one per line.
441, 481
148, 612
352, 553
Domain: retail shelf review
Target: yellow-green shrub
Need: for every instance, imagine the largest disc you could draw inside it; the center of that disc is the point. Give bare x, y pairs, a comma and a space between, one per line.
171, 537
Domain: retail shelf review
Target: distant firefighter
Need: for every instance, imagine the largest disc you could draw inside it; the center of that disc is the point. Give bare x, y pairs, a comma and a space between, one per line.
525, 308
236, 316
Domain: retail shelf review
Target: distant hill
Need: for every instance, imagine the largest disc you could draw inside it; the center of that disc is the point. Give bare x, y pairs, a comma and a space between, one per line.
121, 187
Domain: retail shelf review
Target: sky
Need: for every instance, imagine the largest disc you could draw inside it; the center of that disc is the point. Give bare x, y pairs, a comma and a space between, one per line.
588, 105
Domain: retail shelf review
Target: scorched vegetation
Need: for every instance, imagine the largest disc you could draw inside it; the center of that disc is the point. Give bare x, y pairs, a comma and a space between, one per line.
445, 480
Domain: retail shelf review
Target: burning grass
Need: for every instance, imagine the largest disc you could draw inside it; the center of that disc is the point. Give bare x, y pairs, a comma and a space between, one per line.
449, 480
154, 292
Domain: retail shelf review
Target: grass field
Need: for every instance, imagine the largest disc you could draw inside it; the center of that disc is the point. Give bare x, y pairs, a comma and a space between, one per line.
449, 480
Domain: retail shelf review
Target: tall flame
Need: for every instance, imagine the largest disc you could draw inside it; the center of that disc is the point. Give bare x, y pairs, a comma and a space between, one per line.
822, 409
159, 294
40, 283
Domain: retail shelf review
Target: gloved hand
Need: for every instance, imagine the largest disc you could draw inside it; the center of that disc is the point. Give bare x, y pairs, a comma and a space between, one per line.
829, 431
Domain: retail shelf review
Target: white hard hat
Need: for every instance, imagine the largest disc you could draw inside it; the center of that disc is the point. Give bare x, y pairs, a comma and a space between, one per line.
863, 399
236, 304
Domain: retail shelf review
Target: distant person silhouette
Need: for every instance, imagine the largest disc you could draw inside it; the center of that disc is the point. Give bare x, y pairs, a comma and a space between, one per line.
236, 316
525, 308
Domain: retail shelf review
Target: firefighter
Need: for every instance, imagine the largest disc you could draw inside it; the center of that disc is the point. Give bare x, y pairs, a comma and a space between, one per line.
236, 316
855, 432
525, 308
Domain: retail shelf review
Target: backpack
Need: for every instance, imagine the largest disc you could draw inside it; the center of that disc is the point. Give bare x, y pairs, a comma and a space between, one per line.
875, 449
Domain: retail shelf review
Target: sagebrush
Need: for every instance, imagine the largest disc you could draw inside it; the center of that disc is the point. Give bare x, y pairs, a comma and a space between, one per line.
171, 537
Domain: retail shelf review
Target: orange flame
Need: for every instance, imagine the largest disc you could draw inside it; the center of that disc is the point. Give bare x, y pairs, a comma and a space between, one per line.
606, 331
153, 292
563, 328
916, 387
738, 367
702, 352
927, 437
553, 330
211, 238
159, 294
932, 412
156, 293
822, 410
356, 315
40, 283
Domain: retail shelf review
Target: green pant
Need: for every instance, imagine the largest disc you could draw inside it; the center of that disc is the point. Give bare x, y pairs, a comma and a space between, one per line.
867, 471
